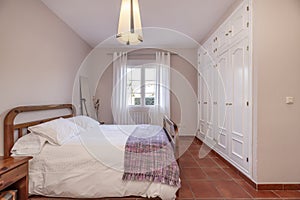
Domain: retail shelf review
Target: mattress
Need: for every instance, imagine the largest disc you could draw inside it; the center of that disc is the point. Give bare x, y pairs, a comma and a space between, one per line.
90, 165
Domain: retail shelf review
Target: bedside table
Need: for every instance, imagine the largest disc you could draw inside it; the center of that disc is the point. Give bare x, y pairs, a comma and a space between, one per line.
14, 175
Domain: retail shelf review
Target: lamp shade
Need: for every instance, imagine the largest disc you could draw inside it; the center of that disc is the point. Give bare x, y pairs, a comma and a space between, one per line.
130, 26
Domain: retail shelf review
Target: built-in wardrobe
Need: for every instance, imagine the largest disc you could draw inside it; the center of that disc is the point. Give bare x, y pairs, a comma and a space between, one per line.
225, 89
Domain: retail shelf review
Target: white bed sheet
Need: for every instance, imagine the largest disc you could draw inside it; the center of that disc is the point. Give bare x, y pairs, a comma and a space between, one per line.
80, 169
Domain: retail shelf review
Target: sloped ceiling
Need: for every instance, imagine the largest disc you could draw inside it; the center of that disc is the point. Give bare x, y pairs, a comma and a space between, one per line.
97, 20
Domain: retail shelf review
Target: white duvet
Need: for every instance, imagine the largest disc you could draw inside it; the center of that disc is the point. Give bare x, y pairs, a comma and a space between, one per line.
90, 166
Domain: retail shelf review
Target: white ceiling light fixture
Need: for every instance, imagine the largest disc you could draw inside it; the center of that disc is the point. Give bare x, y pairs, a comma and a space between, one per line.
130, 26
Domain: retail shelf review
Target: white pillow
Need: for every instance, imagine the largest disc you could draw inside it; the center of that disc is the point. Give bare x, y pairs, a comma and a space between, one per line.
84, 121
30, 144
57, 131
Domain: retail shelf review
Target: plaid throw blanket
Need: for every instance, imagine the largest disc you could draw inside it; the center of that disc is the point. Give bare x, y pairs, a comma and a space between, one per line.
149, 156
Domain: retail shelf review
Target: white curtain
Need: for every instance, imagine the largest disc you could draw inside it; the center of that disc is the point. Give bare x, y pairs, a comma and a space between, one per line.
162, 96
119, 95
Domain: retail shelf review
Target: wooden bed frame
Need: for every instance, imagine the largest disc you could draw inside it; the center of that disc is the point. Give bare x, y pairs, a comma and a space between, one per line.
171, 131
10, 127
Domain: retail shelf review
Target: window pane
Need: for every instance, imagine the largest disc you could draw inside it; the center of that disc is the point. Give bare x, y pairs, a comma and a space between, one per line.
136, 99
129, 74
150, 87
134, 91
150, 74
136, 74
149, 101
134, 86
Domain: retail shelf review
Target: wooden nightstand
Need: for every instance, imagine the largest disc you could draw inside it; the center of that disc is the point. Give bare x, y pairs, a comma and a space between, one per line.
14, 175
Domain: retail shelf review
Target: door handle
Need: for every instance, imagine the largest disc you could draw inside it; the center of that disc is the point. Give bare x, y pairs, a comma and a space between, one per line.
204, 102
228, 104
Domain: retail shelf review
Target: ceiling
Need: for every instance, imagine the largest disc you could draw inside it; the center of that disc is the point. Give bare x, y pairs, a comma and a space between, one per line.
97, 20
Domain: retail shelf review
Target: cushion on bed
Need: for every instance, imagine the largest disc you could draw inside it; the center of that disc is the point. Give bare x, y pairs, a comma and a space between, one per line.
84, 122
30, 144
57, 131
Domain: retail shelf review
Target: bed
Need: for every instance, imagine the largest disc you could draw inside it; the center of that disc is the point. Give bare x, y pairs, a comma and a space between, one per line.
94, 162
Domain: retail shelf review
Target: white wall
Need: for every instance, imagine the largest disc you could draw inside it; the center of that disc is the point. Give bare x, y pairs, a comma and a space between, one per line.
277, 75
39, 56
184, 86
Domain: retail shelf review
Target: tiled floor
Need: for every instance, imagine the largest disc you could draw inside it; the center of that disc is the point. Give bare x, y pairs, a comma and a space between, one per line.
205, 176
208, 177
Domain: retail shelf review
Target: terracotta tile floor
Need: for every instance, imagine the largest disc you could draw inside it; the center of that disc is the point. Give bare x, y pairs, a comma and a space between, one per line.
210, 178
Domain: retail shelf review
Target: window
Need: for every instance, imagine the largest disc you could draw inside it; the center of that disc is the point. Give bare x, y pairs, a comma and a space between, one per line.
141, 85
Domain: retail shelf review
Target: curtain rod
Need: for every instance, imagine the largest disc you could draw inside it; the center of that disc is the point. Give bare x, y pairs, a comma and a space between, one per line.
144, 54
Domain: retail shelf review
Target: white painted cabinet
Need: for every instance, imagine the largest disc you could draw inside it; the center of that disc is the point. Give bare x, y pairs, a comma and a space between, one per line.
225, 89
239, 97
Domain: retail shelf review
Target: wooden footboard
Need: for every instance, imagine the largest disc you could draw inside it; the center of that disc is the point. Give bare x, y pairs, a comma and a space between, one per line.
171, 130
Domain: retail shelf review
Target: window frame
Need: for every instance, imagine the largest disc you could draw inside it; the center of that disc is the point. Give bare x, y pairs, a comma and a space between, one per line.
131, 64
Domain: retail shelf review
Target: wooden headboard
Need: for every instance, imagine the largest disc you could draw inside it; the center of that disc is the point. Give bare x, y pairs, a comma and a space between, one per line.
10, 127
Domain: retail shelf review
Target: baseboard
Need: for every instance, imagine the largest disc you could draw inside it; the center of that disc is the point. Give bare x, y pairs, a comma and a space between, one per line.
278, 186
257, 186
186, 134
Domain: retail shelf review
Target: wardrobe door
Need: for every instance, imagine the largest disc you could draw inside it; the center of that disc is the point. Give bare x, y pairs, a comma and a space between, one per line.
199, 88
239, 24
223, 85
209, 100
203, 93
202, 126
205, 101
215, 112
200, 55
238, 103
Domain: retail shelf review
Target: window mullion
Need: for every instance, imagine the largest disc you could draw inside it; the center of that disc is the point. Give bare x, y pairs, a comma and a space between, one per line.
143, 87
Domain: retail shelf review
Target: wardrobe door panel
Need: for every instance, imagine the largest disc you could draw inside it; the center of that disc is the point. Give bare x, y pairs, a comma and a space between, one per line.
238, 138
223, 36
215, 113
239, 24
210, 93
222, 123
202, 91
